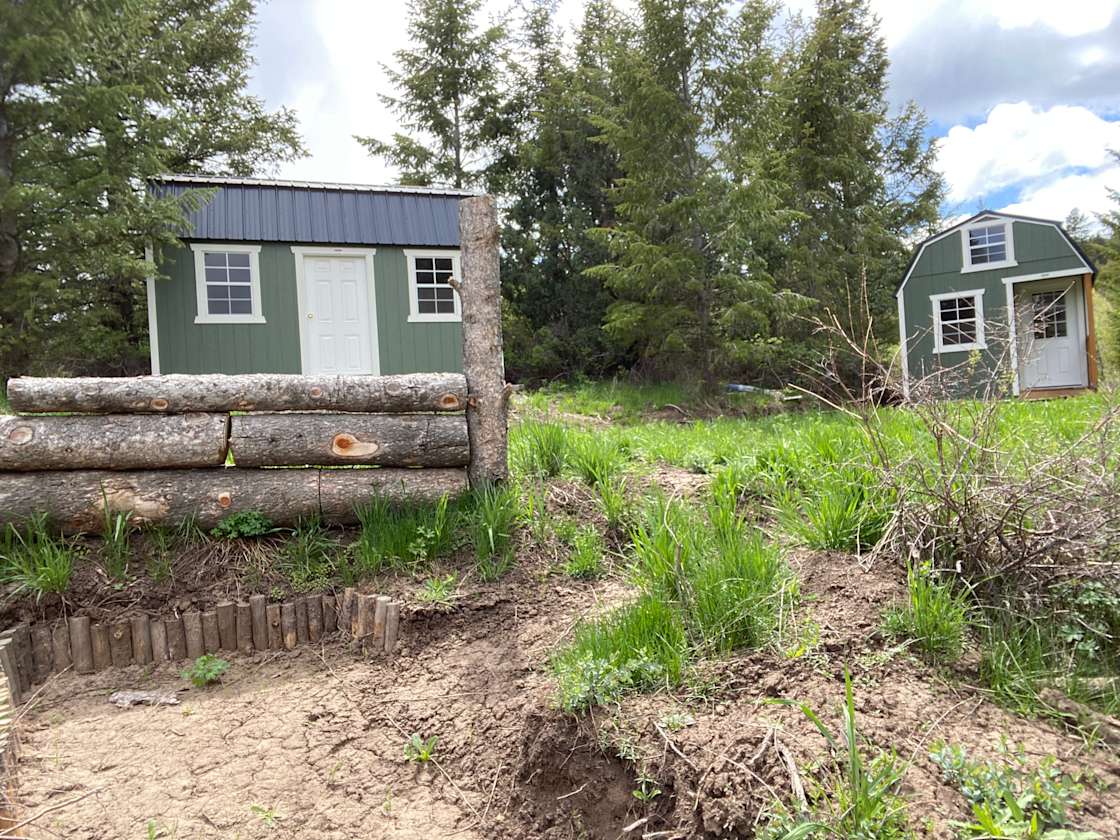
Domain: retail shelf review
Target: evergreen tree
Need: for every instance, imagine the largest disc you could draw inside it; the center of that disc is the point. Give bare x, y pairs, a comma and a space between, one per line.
449, 100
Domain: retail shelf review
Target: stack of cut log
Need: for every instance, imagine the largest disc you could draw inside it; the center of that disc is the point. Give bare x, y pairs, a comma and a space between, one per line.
29, 653
157, 447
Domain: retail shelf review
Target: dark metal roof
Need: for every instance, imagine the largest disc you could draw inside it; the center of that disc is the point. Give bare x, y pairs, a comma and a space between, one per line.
255, 210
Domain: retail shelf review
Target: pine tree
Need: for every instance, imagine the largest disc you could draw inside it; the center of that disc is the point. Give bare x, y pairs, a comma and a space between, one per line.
449, 99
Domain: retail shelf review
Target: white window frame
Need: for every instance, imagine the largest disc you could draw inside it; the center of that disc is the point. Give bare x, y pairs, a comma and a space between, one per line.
1009, 245
414, 314
980, 343
202, 313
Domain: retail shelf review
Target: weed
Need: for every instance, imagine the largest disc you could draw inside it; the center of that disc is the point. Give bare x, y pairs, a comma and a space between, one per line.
438, 591
492, 521
308, 556
585, 681
420, 750
1008, 798
539, 449
846, 514
243, 524
1013, 662
647, 789
934, 616
614, 501
676, 721
268, 816
404, 536
207, 669
586, 558
161, 542
596, 459
116, 535
34, 559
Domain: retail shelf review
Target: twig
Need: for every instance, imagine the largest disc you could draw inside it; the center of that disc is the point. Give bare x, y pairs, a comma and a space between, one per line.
794, 776
669, 743
572, 793
44, 812
493, 788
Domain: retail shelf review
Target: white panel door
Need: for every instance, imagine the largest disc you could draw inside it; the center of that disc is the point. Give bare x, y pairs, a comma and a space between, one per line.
1051, 334
339, 316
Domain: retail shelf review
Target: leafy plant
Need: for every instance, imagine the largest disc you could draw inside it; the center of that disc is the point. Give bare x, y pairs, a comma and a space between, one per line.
307, 558
676, 721
402, 536
586, 557
1010, 799
934, 615
207, 669
268, 816
438, 591
585, 681
243, 524
420, 750
36, 560
492, 523
647, 789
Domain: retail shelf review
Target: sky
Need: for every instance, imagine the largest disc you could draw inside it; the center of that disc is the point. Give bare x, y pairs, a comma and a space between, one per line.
1023, 95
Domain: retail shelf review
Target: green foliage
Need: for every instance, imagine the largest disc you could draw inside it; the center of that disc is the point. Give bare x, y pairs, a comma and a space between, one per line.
586, 557
308, 556
596, 459
858, 797
206, 670
492, 523
404, 536
242, 525
420, 750
585, 681
846, 512
1010, 799
539, 449
934, 616
35, 559
647, 789
438, 591
1090, 625
116, 540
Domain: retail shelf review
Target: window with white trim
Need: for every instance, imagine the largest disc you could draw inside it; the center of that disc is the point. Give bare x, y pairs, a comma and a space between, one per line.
431, 294
227, 279
987, 244
958, 321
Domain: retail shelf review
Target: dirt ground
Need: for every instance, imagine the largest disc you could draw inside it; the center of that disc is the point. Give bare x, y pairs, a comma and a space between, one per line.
309, 744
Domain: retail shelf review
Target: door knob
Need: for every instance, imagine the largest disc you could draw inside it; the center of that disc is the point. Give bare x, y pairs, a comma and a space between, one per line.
310, 316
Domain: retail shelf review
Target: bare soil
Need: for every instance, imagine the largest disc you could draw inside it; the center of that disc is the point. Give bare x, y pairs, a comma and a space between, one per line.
309, 744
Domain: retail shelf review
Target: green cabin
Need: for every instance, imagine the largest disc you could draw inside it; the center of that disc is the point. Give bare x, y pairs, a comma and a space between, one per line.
998, 299
311, 278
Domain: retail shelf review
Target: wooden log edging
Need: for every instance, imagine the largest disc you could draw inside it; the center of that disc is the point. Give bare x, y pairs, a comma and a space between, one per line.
190, 393
30, 654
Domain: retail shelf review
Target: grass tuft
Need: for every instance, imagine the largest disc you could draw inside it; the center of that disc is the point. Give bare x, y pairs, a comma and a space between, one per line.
35, 560
934, 616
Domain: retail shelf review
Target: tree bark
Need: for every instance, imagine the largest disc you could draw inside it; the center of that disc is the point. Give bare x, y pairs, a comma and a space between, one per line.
409, 440
112, 442
342, 492
186, 394
480, 293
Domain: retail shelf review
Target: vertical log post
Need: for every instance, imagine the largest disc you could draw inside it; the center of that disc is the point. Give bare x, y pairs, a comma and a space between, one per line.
392, 623
60, 641
380, 610
192, 628
81, 647
120, 643
142, 640
258, 605
480, 295
42, 654
314, 618
275, 637
330, 613
227, 625
288, 624
363, 618
176, 639
348, 617
11, 671
21, 647
301, 620
244, 627
159, 640
102, 655
210, 638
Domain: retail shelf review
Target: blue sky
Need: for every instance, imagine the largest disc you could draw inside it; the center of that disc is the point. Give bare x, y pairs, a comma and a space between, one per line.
1024, 95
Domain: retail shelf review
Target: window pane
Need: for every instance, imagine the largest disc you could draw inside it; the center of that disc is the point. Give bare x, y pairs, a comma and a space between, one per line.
443, 264
240, 292
215, 275
425, 278
426, 294
241, 307
445, 307
426, 307
967, 330
445, 293
218, 307
443, 277
423, 263
214, 258
239, 260
240, 275
217, 292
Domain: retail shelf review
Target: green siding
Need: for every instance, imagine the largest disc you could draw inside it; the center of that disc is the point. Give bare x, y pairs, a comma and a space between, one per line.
1038, 248
273, 347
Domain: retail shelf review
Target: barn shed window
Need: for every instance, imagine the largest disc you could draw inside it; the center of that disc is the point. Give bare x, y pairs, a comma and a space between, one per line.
1050, 314
228, 284
987, 245
958, 321
431, 294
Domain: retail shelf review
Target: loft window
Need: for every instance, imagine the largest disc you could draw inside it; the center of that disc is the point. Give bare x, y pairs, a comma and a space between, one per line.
432, 297
1050, 315
987, 245
227, 278
958, 320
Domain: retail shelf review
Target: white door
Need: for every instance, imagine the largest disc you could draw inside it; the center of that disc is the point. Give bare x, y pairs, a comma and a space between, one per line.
1050, 325
338, 315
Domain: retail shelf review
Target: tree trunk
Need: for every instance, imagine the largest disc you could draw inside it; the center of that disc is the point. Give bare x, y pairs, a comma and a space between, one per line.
408, 440
480, 292
184, 394
75, 501
341, 492
112, 442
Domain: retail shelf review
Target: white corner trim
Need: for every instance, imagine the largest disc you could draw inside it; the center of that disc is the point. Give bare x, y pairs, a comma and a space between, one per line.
414, 316
367, 254
1047, 275
902, 346
979, 344
202, 316
153, 322
1012, 327
1008, 240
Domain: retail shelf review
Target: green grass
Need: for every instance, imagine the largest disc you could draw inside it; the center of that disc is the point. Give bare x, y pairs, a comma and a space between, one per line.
404, 537
35, 560
539, 449
492, 523
585, 559
308, 556
934, 616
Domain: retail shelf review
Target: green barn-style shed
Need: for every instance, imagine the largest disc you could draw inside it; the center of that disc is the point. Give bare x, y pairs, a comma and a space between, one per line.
312, 278
1003, 298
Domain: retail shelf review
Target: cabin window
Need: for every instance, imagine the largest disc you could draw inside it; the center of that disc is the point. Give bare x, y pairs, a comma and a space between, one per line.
1050, 315
432, 297
958, 321
227, 278
987, 245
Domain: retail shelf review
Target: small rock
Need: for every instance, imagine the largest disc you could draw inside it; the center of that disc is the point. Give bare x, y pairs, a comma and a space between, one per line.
127, 698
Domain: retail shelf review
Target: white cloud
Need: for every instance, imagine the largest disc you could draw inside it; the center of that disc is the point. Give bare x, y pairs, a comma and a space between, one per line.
1018, 144
1069, 17
1054, 199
